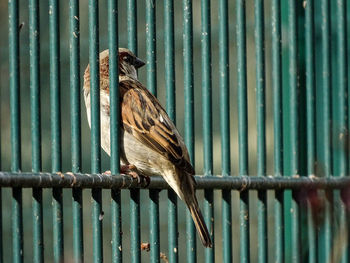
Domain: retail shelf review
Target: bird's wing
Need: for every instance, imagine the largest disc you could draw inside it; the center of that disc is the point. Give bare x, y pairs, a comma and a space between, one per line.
144, 118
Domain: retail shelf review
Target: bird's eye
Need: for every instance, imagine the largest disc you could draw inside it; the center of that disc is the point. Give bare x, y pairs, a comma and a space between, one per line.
127, 59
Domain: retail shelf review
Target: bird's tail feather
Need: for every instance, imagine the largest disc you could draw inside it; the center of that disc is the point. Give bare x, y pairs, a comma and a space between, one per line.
200, 224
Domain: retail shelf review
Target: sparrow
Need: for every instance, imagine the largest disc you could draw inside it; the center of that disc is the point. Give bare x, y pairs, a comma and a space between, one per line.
150, 144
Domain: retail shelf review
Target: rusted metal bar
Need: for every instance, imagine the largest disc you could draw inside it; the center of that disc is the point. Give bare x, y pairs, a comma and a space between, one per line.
70, 180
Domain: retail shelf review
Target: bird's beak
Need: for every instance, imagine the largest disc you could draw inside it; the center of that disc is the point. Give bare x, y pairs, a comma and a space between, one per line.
138, 63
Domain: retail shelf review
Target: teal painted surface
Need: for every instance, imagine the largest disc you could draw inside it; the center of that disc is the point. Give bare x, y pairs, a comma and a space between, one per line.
114, 84
278, 127
14, 79
291, 126
291, 145
151, 51
225, 129
191, 243
154, 226
261, 132
55, 97
151, 47
134, 194
56, 151
77, 206
116, 218
96, 194
242, 126
34, 47
1, 229
57, 216
117, 254
208, 208
340, 129
17, 225
324, 154
78, 236
135, 234
311, 122
132, 25
171, 110
169, 59
75, 89
16, 204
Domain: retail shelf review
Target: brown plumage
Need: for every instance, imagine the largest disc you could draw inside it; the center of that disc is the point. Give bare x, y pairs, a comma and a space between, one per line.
149, 139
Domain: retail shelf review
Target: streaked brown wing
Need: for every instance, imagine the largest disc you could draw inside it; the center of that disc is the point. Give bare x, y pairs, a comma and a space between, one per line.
144, 118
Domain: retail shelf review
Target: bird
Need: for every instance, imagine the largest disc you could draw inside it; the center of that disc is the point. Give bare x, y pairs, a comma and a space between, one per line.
150, 144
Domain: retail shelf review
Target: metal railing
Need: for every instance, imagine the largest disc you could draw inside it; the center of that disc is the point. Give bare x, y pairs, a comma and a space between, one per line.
310, 108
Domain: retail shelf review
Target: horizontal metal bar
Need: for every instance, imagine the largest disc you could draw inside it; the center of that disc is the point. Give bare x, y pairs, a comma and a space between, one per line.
70, 180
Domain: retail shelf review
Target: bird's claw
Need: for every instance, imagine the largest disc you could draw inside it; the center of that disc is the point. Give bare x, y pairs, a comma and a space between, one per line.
131, 170
140, 178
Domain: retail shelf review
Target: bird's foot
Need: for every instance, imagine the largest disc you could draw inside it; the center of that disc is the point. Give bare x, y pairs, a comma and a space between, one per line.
130, 169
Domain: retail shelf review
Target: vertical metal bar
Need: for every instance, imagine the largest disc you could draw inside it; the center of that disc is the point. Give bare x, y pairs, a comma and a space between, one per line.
55, 128
207, 122
132, 25
117, 255
38, 243
311, 224
152, 86
17, 224
134, 193
189, 114
94, 83
310, 116
78, 245
115, 123
14, 85
242, 127
135, 225
324, 154
34, 38
96, 194
340, 130
261, 139
35, 84
310, 85
169, 58
55, 85
278, 130
339, 115
1, 226
114, 83
170, 107
151, 46
291, 146
154, 226
292, 166
74, 40
225, 128
347, 20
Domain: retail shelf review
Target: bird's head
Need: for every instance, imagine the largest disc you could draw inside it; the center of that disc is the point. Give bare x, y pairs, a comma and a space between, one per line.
128, 63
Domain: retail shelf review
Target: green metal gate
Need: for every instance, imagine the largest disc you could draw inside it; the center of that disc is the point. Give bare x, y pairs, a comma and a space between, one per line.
258, 89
